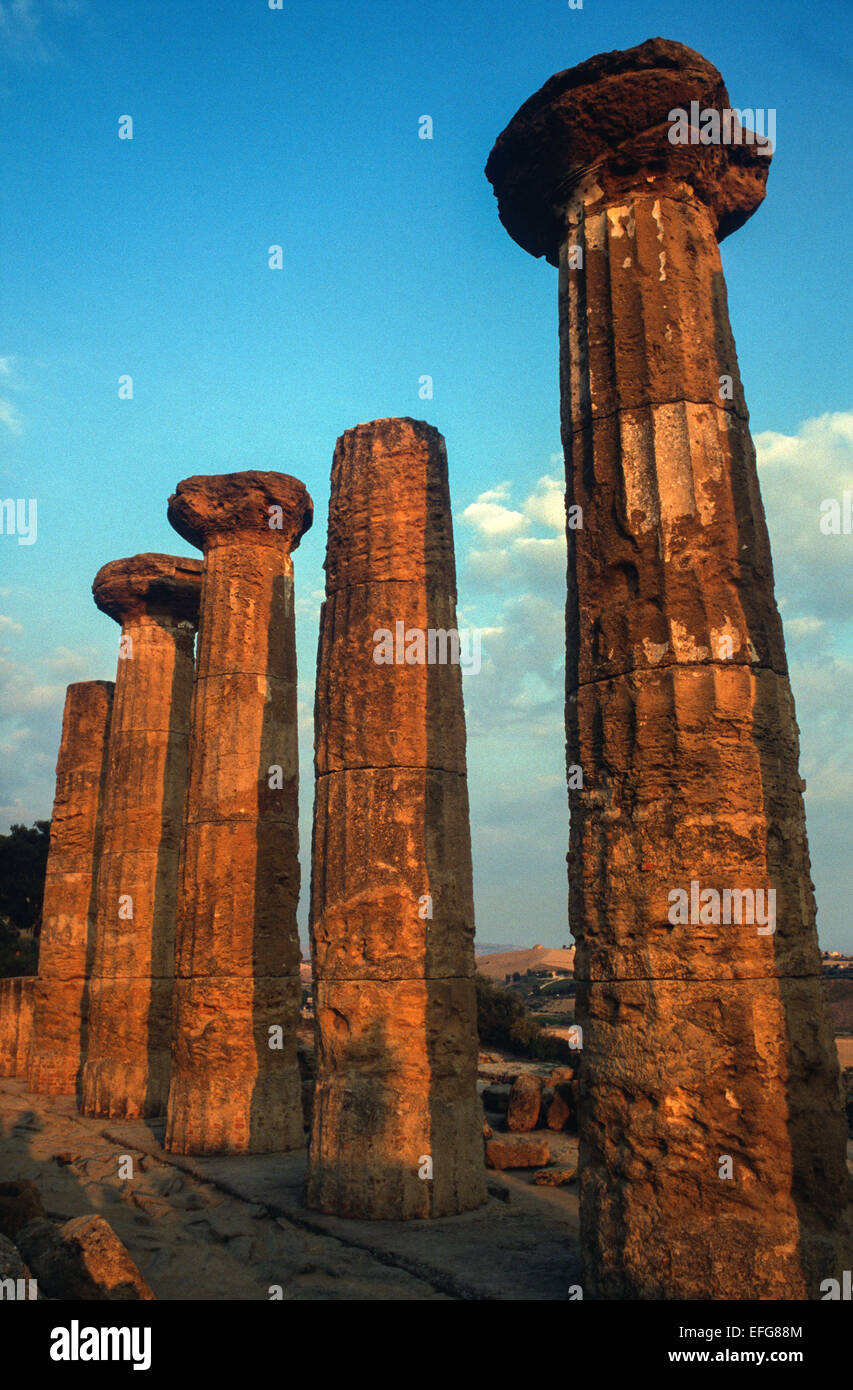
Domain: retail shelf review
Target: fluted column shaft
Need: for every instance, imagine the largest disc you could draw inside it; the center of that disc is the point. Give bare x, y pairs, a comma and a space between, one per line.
66, 944
699, 1038
16, 1018
235, 1081
397, 1128
712, 1140
155, 598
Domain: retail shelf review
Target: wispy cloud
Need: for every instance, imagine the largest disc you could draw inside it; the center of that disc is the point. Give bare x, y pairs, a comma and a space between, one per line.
28, 28
10, 418
8, 411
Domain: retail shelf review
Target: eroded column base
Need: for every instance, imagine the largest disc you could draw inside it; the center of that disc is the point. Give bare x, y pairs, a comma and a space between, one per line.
60, 1033
397, 1127
712, 1141
126, 1073
235, 1085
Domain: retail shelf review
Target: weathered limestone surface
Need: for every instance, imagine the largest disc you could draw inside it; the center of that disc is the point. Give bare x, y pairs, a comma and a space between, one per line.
238, 954
9, 1007
25, 1025
67, 941
394, 991
155, 600
701, 1039
16, 1014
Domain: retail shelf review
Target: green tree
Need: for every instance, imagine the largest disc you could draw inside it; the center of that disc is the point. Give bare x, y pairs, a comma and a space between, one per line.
503, 1021
23, 860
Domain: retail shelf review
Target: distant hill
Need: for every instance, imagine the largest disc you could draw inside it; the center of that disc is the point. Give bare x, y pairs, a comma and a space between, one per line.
499, 960
497, 964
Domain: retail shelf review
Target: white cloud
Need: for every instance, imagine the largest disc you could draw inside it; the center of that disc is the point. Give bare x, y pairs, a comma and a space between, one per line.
496, 494
9, 417
814, 572
493, 519
8, 411
548, 503
489, 515
69, 665
32, 697
508, 558
798, 628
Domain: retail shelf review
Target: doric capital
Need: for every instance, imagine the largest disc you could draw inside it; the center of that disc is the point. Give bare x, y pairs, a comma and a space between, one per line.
603, 130
265, 508
158, 585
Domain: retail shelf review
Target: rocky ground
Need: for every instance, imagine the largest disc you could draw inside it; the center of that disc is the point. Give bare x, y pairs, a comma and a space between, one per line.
237, 1228
234, 1228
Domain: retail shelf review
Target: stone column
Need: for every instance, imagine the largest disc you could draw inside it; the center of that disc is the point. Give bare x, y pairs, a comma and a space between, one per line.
155, 600
67, 941
10, 1007
397, 1127
16, 1016
712, 1139
235, 1080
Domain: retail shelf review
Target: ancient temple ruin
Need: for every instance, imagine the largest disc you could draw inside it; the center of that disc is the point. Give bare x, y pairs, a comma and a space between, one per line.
397, 1125
155, 600
712, 1140
60, 1026
235, 1084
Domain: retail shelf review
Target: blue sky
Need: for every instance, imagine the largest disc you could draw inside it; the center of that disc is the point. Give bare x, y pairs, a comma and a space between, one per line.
299, 127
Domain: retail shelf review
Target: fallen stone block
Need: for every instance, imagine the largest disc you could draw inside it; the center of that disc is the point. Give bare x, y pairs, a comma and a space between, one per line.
83, 1259
525, 1104
517, 1151
554, 1177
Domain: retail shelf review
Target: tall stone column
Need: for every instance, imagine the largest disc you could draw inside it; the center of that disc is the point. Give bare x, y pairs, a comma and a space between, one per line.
235, 1079
60, 1027
155, 600
397, 1127
712, 1141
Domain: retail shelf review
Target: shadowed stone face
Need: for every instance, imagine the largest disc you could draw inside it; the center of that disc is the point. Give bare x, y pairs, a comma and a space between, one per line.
152, 586
235, 1084
155, 599
392, 914
67, 941
712, 1141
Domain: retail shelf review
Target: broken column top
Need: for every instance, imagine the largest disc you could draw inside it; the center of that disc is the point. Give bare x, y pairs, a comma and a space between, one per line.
603, 127
389, 509
159, 585
216, 508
